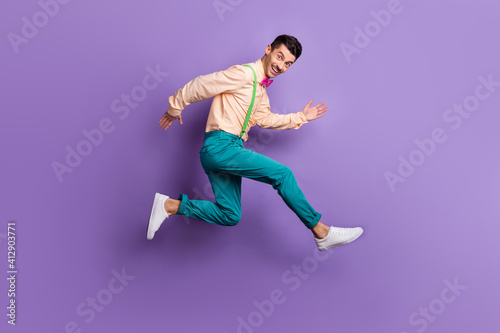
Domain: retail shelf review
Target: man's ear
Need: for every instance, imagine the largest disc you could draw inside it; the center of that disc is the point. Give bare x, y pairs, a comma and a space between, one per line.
268, 50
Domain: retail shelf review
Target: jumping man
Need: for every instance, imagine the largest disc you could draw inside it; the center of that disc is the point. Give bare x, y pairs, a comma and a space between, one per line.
239, 102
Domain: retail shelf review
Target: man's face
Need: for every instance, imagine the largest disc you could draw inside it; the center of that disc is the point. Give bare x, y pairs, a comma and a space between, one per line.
277, 61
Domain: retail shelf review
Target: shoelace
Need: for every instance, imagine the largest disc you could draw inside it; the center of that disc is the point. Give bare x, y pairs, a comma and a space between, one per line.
342, 231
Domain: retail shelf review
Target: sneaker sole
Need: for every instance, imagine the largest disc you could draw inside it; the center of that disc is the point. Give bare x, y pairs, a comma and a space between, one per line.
323, 248
156, 203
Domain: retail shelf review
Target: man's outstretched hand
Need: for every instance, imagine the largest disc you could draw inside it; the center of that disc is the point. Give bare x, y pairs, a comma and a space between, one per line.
166, 120
314, 112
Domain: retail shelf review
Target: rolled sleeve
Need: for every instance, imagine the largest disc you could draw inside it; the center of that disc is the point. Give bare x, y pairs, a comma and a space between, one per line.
206, 86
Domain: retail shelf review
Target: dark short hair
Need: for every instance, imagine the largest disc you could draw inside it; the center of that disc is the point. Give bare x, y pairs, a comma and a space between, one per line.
291, 43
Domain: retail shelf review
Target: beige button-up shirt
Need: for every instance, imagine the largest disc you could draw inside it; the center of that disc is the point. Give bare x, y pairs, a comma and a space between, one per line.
231, 90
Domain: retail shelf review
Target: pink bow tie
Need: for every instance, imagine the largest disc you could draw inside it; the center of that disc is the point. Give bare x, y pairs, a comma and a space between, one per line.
266, 82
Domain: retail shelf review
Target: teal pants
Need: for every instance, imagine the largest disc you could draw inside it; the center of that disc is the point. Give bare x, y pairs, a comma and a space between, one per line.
225, 161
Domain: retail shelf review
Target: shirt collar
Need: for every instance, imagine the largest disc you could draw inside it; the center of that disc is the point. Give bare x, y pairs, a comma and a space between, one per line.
259, 69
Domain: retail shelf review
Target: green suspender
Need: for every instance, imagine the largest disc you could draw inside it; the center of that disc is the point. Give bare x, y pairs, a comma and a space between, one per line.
251, 104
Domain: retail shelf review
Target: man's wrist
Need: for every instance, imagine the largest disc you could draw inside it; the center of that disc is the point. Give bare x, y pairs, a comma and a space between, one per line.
173, 112
302, 117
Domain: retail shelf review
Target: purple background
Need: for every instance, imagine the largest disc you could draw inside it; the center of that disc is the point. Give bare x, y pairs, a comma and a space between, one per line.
439, 225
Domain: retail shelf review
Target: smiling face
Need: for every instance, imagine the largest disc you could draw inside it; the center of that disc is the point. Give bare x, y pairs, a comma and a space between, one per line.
277, 61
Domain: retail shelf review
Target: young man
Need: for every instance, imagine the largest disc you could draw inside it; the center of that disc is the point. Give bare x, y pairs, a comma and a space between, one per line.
239, 97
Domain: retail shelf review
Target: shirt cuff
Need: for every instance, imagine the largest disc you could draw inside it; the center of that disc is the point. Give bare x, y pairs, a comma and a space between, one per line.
173, 112
300, 119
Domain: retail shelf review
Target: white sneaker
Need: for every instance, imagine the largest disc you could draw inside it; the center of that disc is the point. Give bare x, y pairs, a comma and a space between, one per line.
338, 236
158, 215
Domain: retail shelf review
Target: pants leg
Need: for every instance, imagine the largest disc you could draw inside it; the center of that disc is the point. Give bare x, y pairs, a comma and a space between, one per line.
226, 210
224, 154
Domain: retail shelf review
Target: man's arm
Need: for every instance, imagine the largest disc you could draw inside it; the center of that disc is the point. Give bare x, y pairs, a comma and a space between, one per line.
200, 88
266, 119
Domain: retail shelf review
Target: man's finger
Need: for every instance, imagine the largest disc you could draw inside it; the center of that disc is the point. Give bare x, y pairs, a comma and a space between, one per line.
166, 124
164, 117
180, 119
